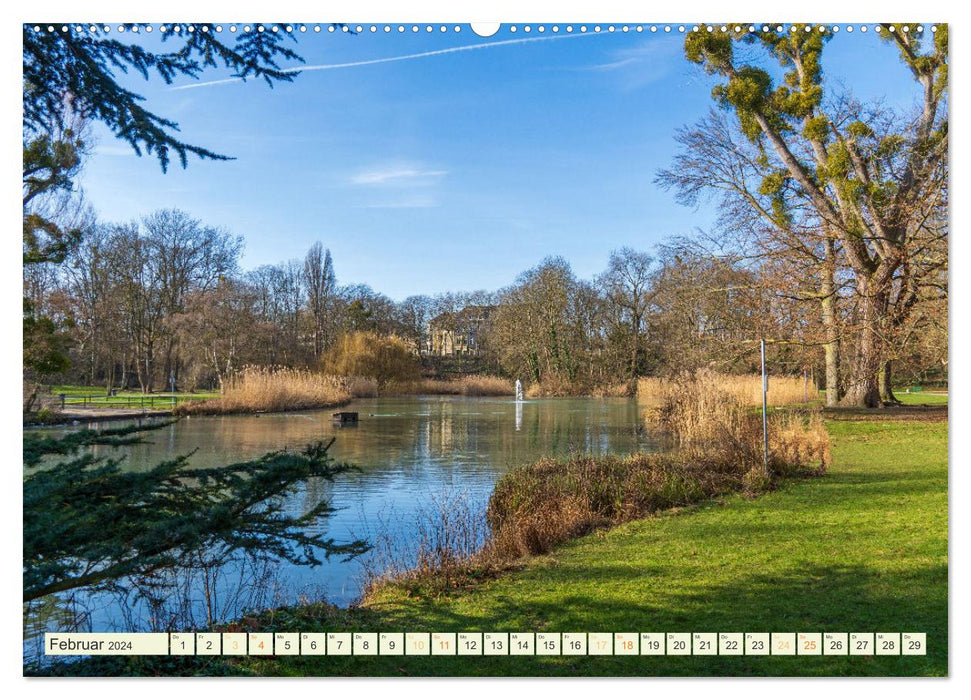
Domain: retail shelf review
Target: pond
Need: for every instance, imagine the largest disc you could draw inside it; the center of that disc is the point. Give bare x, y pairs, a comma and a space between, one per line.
413, 455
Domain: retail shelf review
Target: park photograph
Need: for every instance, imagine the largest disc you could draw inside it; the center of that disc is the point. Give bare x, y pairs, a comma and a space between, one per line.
485, 350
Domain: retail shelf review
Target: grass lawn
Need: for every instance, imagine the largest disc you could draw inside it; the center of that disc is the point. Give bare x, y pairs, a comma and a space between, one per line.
921, 398
96, 395
862, 549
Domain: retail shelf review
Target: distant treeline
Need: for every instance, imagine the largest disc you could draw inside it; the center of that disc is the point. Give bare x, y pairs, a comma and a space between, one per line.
163, 299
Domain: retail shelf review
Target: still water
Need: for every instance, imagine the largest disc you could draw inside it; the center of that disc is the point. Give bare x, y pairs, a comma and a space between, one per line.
412, 455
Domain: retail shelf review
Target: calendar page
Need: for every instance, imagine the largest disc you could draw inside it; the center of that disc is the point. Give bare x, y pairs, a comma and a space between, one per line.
429, 347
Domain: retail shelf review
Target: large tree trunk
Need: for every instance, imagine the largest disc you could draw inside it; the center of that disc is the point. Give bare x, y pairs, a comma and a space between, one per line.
832, 350
109, 376
146, 370
886, 383
863, 386
832, 344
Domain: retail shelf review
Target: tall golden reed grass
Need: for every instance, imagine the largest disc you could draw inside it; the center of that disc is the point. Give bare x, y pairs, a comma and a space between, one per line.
471, 385
746, 388
280, 389
550, 387
709, 414
276, 389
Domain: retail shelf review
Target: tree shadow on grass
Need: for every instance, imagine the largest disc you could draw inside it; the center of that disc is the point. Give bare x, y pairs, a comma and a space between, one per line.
799, 599
814, 599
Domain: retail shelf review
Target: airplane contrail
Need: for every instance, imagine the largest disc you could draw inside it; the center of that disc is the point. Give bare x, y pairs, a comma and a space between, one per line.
391, 59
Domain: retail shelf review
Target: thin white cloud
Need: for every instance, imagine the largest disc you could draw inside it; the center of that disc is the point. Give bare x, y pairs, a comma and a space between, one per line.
399, 185
641, 65
392, 59
396, 176
613, 66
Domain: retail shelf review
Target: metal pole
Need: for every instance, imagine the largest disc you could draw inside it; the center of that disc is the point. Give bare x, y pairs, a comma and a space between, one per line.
765, 420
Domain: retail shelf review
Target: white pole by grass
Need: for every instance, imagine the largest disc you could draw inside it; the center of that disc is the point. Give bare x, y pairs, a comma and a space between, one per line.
765, 420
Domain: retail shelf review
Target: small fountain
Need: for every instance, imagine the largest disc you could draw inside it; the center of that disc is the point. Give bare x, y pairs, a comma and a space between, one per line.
519, 405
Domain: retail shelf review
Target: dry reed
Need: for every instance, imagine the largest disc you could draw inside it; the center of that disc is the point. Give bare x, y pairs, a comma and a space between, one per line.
360, 387
746, 388
553, 386
471, 385
616, 390
443, 550
535, 508
275, 389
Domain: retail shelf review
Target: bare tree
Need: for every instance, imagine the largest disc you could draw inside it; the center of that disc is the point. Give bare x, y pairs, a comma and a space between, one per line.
185, 256
626, 285
773, 227
318, 273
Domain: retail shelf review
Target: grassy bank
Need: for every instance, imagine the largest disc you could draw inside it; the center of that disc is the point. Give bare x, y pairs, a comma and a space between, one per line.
92, 393
863, 549
922, 398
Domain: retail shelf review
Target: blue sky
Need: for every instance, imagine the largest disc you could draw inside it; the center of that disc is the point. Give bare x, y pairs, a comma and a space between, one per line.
454, 171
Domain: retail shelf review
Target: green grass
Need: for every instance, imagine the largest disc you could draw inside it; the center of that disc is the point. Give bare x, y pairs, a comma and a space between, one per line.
863, 548
95, 395
921, 398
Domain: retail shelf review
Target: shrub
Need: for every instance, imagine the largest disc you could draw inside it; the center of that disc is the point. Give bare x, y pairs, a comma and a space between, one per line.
360, 387
385, 359
45, 416
552, 386
542, 505
449, 530
617, 390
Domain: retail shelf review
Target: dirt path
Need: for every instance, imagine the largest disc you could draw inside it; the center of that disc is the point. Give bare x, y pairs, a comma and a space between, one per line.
927, 412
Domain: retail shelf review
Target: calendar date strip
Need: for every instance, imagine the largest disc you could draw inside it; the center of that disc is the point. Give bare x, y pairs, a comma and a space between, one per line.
486, 644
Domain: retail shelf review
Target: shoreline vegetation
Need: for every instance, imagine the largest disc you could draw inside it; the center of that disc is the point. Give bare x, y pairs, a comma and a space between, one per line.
275, 390
278, 390
716, 450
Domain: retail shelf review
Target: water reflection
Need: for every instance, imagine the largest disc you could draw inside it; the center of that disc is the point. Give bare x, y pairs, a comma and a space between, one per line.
408, 452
